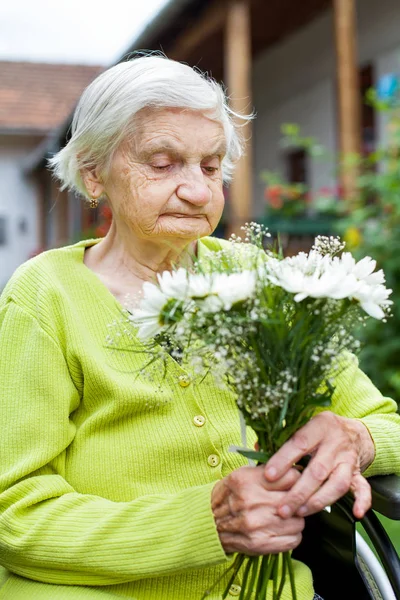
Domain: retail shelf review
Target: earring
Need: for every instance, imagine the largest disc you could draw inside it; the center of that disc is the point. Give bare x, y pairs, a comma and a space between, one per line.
94, 202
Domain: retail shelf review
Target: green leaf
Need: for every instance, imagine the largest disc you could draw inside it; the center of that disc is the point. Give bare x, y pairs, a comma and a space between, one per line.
290, 129
255, 455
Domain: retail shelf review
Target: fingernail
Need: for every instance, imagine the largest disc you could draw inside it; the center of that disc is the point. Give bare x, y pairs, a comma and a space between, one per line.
285, 511
302, 510
271, 472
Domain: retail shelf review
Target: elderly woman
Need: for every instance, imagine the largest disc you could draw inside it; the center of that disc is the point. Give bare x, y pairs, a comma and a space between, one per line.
109, 486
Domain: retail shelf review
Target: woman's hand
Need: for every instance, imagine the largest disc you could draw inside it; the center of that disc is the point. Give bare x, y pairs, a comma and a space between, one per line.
245, 507
340, 450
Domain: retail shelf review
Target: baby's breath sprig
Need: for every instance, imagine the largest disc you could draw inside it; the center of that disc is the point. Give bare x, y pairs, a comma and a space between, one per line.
277, 331
328, 245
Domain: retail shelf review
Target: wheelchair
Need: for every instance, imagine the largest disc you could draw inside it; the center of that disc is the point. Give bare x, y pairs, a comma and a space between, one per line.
345, 566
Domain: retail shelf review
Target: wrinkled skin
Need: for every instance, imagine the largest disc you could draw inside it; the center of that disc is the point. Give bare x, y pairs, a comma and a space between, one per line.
164, 187
245, 507
341, 449
260, 510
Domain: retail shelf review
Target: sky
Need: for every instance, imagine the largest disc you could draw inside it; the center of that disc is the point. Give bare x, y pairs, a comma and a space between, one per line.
72, 31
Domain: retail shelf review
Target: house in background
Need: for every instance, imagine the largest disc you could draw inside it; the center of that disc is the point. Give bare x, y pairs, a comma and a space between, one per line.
306, 62
35, 99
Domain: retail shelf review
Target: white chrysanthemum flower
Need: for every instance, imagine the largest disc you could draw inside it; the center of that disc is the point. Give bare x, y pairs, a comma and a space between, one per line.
199, 285
375, 278
315, 276
234, 288
291, 280
307, 263
372, 298
362, 270
156, 311
330, 284
147, 316
174, 284
364, 267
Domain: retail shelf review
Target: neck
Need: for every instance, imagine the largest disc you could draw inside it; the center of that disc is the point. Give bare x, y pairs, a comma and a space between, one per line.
126, 256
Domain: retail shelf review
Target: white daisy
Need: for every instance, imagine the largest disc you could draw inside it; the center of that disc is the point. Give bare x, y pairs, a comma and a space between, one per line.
315, 276
148, 317
200, 285
234, 288
174, 284
373, 299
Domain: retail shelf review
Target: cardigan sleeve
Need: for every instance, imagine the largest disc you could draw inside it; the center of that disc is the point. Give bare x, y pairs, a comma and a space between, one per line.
48, 531
357, 397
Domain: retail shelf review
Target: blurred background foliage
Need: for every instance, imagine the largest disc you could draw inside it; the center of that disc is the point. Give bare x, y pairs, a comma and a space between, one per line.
369, 222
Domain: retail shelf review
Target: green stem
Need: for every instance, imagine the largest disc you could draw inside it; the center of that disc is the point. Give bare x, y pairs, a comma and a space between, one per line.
263, 568
245, 578
283, 577
275, 577
266, 577
260, 361
255, 561
291, 574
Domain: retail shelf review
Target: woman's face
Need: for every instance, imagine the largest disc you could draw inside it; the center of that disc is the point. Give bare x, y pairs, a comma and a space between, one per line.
166, 183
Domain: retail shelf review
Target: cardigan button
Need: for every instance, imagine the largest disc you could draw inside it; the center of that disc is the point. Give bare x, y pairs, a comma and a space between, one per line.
199, 420
235, 590
184, 380
213, 460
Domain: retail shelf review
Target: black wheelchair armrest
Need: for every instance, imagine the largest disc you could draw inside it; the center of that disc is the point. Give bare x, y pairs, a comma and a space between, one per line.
329, 543
386, 495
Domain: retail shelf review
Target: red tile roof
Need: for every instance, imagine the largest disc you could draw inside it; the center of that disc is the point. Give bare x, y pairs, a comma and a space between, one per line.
40, 96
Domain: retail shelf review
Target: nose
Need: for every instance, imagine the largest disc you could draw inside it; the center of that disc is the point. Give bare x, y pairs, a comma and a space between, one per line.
193, 188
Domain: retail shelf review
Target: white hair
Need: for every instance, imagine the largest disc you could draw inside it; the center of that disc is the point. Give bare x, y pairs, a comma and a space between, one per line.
105, 114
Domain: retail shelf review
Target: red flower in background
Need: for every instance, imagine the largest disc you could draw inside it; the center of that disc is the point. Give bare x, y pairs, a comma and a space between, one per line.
331, 192
274, 196
287, 199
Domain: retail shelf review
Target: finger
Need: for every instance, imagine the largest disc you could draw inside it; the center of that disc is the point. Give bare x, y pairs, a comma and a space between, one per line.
260, 520
259, 545
219, 493
362, 494
222, 511
240, 481
336, 486
303, 442
304, 494
284, 483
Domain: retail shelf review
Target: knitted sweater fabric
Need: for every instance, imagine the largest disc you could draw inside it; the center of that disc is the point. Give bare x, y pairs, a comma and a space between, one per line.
106, 473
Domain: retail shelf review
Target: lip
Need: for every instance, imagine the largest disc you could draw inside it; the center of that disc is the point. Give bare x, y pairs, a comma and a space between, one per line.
183, 215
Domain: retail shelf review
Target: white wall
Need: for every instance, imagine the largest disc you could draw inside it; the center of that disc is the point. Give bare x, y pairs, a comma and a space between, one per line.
18, 204
295, 82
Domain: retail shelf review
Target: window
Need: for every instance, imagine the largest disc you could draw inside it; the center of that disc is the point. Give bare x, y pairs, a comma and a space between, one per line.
296, 166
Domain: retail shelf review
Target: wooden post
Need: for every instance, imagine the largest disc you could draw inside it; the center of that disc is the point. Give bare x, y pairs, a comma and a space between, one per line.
348, 91
238, 81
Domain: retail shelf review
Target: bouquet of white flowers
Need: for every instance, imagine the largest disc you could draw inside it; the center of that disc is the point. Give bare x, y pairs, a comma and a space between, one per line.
273, 329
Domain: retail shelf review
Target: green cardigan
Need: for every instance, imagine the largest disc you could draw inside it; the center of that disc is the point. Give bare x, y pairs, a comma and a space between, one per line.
106, 476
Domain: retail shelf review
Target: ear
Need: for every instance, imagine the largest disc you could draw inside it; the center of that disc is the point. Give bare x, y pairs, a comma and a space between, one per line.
93, 183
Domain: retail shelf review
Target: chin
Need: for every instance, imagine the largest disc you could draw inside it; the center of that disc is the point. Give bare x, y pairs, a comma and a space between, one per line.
191, 229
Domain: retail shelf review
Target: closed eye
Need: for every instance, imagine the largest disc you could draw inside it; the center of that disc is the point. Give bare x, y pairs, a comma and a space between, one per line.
210, 170
160, 167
